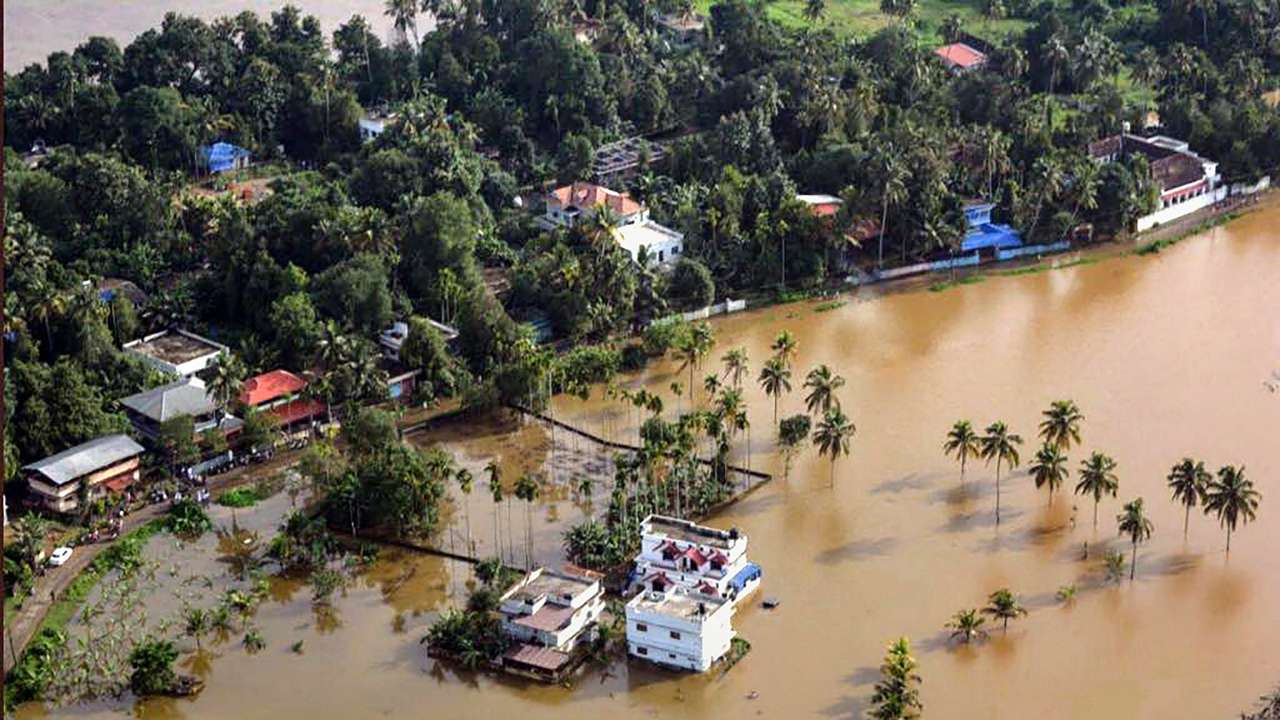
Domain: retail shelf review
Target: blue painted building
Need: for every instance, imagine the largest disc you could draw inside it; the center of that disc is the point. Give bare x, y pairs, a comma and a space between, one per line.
224, 157
982, 234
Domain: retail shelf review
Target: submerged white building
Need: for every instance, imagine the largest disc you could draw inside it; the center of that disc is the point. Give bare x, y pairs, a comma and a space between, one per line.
679, 628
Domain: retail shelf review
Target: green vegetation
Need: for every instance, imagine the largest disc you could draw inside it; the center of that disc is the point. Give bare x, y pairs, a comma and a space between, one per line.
241, 497
864, 17
897, 692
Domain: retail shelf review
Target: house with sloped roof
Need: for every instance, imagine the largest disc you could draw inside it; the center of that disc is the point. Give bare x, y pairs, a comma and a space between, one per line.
105, 465
1187, 182
547, 615
188, 397
633, 230
280, 393
960, 57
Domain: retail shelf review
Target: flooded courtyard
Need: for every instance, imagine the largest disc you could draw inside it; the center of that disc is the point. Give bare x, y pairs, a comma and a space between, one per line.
1167, 355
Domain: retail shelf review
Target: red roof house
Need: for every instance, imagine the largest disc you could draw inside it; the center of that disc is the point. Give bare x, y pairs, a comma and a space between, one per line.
277, 392
959, 57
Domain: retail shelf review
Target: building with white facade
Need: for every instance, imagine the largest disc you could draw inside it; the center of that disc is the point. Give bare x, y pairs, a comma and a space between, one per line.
1187, 182
569, 205
109, 464
177, 352
679, 628
374, 124
697, 558
547, 615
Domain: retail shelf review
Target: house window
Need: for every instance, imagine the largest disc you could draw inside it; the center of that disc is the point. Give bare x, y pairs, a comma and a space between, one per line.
675, 635
671, 656
642, 650
641, 627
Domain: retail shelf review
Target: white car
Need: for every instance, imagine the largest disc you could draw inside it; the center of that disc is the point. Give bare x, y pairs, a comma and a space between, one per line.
59, 556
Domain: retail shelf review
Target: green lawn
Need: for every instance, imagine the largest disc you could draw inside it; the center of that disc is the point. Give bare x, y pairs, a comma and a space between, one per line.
863, 17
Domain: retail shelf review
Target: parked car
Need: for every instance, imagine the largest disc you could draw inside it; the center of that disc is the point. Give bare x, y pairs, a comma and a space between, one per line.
59, 556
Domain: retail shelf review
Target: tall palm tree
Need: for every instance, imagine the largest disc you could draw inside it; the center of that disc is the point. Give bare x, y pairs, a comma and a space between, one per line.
1098, 478
962, 442
495, 491
735, 365
1050, 468
1232, 498
1003, 606
1189, 481
832, 437
1061, 425
466, 483
224, 385
893, 190
527, 490
966, 625
775, 378
784, 347
404, 16
822, 385
1002, 446
1134, 523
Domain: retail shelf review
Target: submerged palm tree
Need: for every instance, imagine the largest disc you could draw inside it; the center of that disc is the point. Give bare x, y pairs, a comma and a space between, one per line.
832, 437
1050, 468
1232, 498
1134, 523
897, 693
735, 365
962, 442
1061, 424
784, 347
1002, 446
1003, 606
1098, 478
775, 378
822, 385
1189, 480
966, 626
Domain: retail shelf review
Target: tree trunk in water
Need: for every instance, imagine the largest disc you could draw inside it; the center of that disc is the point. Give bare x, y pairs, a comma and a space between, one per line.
998, 494
1133, 562
1095, 513
1186, 520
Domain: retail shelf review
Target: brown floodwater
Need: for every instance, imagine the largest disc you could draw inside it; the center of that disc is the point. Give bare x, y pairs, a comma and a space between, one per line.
1167, 355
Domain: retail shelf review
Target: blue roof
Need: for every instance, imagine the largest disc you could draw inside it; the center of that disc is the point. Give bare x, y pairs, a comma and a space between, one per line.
222, 156
748, 573
990, 235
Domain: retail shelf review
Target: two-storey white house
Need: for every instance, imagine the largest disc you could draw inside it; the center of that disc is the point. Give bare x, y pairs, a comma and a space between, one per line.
634, 231
695, 557
679, 628
1187, 182
546, 615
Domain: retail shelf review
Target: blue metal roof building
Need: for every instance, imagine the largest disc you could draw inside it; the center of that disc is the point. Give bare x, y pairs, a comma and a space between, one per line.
983, 233
223, 156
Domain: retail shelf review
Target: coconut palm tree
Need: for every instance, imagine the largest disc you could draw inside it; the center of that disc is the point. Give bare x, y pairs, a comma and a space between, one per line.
29, 533
1232, 498
1002, 446
495, 491
1003, 606
1134, 523
1061, 425
822, 385
466, 483
963, 443
832, 437
966, 626
735, 365
224, 385
1098, 478
775, 378
1189, 481
1050, 468
784, 347
893, 190
404, 16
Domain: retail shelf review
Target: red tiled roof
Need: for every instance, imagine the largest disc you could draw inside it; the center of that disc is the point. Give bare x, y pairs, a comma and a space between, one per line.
589, 195
696, 556
720, 557
707, 588
960, 55
270, 386
824, 209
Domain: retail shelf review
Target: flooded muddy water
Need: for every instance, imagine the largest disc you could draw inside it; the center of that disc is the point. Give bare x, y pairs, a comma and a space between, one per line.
35, 28
1167, 355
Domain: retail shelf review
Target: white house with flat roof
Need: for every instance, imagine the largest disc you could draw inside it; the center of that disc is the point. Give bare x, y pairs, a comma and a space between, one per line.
678, 628
177, 352
547, 615
680, 553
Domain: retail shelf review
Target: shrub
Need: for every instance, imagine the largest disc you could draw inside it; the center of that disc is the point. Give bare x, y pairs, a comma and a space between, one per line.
634, 357
691, 284
187, 519
152, 663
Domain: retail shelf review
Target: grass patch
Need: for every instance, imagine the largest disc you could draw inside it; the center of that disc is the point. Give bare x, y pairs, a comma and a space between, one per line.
248, 496
1042, 267
947, 284
848, 18
830, 305
1156, 246
738, 649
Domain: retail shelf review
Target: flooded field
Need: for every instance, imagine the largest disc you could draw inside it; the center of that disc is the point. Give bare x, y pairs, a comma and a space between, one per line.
1166, 355
35, 28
